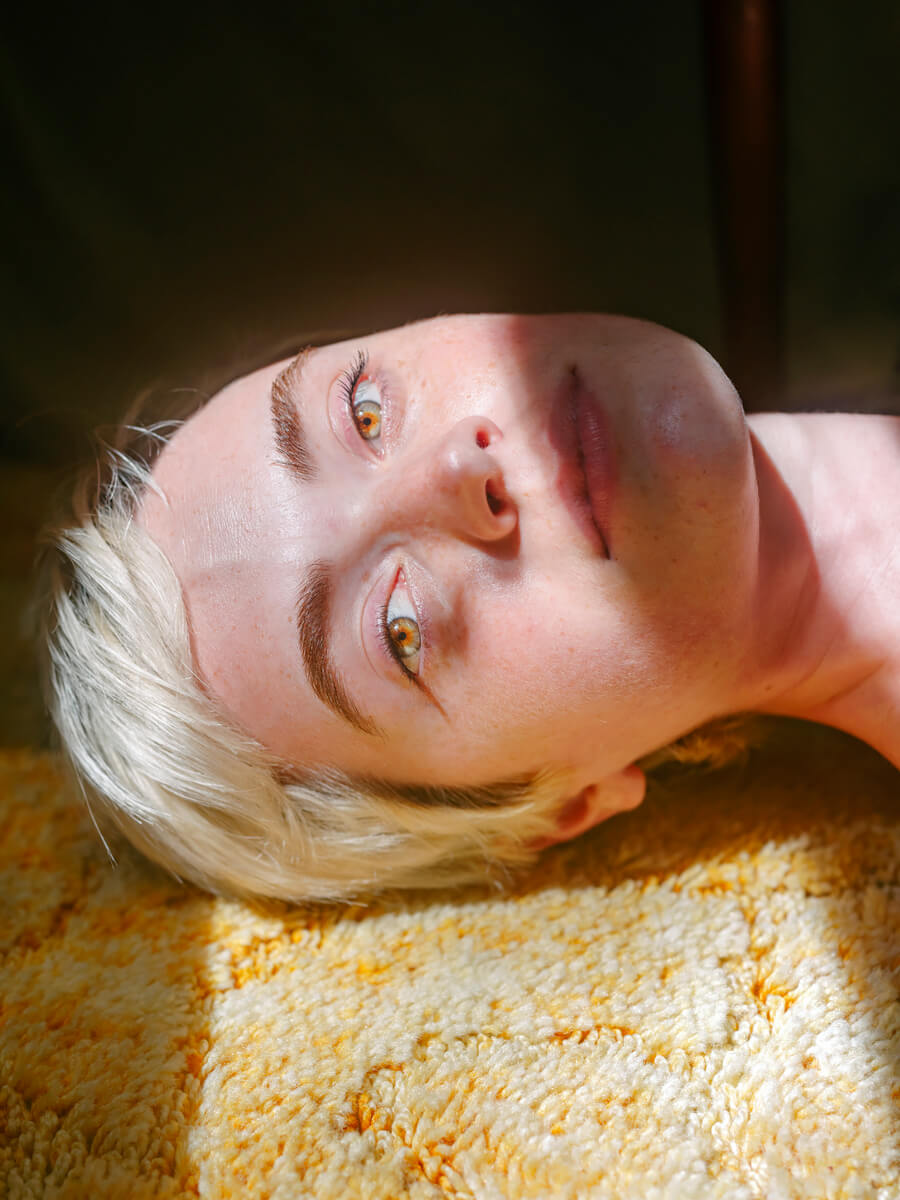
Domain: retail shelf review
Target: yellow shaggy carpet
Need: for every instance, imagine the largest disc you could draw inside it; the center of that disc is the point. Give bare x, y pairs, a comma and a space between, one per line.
699, 999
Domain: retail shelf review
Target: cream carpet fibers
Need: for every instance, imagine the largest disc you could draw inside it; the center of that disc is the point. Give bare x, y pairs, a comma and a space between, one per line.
697, 1000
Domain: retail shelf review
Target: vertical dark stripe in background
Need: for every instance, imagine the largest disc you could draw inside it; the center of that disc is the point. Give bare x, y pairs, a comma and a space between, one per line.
743, 57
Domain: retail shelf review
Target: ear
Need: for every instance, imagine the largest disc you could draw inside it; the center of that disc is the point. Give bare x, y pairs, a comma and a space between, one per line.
616, 793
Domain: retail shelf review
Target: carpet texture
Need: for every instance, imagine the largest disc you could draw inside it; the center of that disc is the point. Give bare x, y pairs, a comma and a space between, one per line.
699, 999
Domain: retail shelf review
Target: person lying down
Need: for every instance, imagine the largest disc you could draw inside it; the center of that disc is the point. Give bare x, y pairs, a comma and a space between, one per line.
408, 608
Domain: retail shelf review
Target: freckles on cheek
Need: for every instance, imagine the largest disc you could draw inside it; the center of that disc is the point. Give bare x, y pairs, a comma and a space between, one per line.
537, 654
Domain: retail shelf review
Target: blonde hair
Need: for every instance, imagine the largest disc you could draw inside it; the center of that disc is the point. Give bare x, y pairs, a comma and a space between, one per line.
160, 763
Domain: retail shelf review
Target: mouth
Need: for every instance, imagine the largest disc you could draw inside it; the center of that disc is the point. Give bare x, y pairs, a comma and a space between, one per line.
579, 433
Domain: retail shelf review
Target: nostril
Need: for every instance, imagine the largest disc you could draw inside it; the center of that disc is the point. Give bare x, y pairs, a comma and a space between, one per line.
495, 503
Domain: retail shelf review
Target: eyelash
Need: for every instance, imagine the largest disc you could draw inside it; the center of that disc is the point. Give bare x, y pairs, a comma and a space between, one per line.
349, 380
350, 377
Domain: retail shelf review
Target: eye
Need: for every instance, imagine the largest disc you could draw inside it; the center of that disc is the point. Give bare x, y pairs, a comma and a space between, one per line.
363, 399
400, 628
365, 407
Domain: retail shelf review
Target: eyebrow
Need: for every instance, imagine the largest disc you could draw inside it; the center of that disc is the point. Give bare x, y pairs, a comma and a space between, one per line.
290, 436
317, 590
313, 630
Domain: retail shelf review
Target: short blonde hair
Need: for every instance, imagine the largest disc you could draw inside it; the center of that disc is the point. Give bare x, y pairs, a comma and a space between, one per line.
160, 763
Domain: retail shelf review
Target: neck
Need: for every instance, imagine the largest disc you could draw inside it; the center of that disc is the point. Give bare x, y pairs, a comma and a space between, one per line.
826, 642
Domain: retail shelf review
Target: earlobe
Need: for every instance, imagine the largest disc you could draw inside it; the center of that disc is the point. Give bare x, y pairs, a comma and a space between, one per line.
627, 788
616, 793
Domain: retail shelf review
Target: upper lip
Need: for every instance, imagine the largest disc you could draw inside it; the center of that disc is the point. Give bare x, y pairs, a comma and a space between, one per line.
571, 480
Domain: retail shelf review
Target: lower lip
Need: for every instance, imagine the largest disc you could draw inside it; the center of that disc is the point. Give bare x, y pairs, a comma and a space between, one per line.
595, 444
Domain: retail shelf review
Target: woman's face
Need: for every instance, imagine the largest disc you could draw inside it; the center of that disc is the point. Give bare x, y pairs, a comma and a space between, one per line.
468, 549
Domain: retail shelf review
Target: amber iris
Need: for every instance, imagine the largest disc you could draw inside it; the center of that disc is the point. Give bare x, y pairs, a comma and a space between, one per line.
368, 418
405, 636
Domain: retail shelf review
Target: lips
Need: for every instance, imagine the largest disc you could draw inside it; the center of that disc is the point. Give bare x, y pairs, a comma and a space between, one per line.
595, 440
579, 433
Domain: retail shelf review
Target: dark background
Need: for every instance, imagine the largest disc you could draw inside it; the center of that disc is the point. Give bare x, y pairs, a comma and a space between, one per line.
187, 193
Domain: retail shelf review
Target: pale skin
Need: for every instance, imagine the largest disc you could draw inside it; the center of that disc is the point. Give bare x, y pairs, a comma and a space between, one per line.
727, 564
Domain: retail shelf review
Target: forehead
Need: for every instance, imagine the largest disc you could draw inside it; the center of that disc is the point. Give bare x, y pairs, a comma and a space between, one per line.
207, 477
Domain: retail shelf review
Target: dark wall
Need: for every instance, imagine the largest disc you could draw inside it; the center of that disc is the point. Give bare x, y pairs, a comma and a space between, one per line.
843, 174
199, 190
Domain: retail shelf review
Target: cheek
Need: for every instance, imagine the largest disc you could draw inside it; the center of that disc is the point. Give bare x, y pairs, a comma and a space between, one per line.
692, 543
545, 651
554, 686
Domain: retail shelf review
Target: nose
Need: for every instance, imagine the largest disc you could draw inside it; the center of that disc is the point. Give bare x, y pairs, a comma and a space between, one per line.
455, 484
